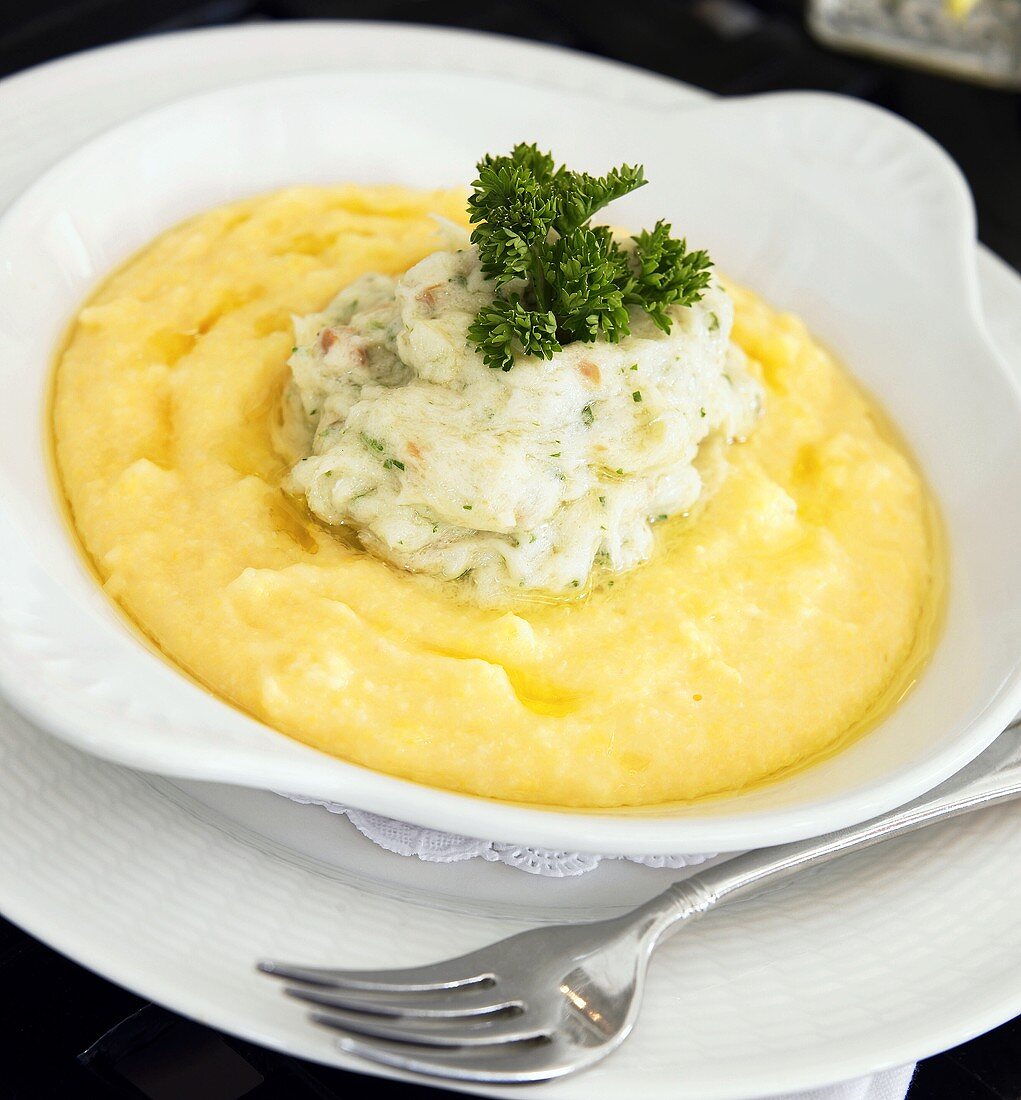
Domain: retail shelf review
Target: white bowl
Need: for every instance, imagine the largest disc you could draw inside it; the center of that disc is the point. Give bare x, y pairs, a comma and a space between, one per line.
830, 208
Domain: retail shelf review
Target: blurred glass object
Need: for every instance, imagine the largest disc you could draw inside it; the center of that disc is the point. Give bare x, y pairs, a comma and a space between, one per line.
976, 40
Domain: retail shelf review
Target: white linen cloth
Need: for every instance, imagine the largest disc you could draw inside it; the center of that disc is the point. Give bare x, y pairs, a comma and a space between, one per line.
891, 1084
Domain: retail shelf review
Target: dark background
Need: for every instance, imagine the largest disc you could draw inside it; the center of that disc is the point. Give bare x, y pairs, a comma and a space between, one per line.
65, 1033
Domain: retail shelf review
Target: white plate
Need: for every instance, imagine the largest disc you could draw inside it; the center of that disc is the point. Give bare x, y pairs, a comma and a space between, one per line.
884, 958
834, 209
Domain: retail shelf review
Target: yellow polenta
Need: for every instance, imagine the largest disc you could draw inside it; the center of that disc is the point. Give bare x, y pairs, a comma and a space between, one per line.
766, 628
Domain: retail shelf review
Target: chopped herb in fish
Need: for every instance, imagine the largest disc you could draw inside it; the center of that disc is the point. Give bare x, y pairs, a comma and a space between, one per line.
526, 479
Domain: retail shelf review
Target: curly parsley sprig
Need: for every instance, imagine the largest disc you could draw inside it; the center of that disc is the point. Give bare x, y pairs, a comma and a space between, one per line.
557, 278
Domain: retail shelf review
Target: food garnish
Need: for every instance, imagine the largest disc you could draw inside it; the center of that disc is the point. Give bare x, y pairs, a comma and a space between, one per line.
559, 278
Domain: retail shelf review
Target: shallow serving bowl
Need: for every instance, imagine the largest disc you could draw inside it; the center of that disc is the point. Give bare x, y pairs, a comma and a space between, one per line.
829, 208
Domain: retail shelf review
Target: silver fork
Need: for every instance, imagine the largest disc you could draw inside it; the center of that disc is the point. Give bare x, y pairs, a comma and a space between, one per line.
555, 1000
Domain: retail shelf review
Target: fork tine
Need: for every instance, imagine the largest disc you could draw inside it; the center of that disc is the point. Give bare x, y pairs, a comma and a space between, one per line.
438, 1032
505, 1063
461, 1002
414, 979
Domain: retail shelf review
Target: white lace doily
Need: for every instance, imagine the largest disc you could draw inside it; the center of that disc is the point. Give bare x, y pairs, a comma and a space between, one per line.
434, 846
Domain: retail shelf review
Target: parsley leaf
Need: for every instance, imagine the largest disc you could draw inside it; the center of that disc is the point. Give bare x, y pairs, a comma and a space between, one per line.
557, 278
508, 323
668, 274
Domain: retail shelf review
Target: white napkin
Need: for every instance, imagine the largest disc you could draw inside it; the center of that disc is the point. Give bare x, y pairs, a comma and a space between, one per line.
891, 1084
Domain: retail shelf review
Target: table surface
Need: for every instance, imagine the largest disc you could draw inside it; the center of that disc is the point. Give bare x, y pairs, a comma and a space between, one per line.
65, 1032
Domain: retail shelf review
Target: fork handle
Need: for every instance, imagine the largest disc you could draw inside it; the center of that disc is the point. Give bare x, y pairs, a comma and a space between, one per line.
994, 777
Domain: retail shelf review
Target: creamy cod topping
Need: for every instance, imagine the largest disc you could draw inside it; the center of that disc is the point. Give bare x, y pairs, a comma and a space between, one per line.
788, 610
524, 479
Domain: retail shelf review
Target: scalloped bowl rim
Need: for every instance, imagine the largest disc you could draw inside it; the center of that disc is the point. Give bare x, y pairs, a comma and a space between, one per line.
70, 661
